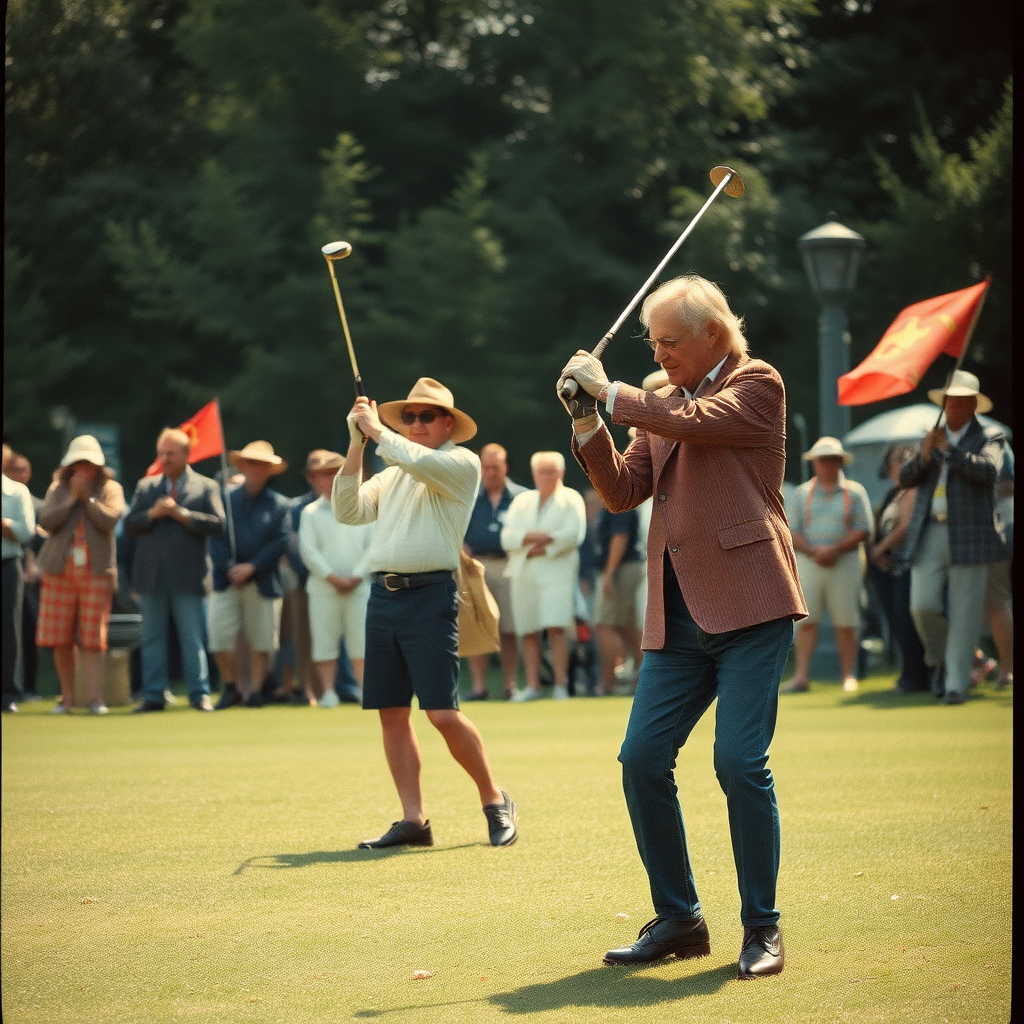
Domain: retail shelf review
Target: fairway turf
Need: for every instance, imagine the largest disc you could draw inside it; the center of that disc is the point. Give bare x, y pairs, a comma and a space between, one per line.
180, 866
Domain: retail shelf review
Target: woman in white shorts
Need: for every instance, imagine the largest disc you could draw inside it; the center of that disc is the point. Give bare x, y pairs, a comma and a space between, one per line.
337, 587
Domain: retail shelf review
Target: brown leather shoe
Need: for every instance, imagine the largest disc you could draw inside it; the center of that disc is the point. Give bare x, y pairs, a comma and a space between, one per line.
762, 953
401, 833
665, 937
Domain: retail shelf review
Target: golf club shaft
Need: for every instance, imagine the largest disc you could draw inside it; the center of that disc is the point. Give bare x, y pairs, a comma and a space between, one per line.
570, 387
360, 390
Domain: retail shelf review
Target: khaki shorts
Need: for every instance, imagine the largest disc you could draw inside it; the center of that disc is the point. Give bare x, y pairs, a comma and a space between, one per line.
501, 587
243, 610
999, 589
333, 616
619, 610
836, 588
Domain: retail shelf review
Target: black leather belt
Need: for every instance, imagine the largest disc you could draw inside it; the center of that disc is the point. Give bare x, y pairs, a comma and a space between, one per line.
394, 581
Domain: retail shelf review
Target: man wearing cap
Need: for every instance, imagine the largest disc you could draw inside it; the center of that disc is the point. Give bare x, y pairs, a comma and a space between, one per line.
955, 532
171, 516
335, 558
829, 518
421, 503
247, 586
722, 596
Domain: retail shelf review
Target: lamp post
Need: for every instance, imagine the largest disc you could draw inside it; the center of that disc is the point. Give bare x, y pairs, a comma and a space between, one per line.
831, 255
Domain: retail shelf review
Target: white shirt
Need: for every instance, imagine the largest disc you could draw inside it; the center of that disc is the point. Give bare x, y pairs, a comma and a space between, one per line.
422, 504
330, 548
19, 509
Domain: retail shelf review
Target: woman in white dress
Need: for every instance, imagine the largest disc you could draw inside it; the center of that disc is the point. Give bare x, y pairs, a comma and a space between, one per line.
542, 532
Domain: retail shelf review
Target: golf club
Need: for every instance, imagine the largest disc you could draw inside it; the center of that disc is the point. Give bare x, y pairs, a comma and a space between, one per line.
726, 180
338, 251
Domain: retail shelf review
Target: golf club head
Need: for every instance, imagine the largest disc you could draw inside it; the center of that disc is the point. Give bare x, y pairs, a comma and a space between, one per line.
339, 250
735, 187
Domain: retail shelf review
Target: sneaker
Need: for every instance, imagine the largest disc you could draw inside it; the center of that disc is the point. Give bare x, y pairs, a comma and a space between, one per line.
561, 693
10, 708
169, 698
97, 707
520, 696
59, 709
501, 821
1005, 681
849, 685
329, 700
202, 703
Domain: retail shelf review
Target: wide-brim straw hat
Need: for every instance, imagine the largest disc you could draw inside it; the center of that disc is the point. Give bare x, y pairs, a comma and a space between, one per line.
259, 451
427, 391
323, 461
963, 385
828, 448
85, 448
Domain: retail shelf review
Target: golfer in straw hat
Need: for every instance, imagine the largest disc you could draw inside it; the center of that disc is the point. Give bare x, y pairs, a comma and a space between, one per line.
829, 518
247, 588
955, 532
421, 503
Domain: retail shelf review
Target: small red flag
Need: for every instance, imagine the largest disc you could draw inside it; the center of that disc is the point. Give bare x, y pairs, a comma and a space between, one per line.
915, 340
205, 433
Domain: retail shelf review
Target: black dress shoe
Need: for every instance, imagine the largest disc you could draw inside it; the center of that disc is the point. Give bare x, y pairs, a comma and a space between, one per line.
762, 953
501, 822
952, 697
474, 695
401, 833
148, 705
937, 680
254, 700
229, 698
662, 937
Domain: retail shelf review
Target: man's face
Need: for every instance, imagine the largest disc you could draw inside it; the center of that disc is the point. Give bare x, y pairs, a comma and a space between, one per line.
256, 474
19, 469
545, 477
323, 481
173, 458
959, 410
432, 434
493, 470
827, 469
686, 357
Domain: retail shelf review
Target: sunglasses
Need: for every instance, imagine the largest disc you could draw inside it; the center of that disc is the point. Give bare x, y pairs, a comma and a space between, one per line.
426, 418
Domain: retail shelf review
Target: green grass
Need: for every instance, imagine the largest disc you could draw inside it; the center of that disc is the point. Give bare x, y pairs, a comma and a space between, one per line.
202, 867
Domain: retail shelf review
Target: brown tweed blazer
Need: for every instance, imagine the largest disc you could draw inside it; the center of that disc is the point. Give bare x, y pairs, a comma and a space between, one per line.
715, 466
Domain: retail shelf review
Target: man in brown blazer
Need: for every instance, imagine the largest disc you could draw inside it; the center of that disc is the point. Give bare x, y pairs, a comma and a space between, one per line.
722, 596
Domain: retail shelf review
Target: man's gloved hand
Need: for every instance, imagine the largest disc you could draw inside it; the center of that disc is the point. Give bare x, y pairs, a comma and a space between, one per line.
581, 405
355, 435
587, 371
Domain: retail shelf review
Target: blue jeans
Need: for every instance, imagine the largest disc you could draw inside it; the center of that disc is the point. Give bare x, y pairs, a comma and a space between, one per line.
676, 686
190, 622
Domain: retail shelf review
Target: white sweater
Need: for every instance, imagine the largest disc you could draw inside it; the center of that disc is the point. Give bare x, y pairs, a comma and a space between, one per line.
329, 547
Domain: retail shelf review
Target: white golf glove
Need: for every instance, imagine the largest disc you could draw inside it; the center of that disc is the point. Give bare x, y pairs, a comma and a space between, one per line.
587, 371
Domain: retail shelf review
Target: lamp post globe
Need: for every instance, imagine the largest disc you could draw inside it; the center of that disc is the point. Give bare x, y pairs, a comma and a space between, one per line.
831, 255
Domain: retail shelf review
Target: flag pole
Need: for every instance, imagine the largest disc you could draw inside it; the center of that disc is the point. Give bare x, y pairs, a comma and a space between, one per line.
224, 482
963, 350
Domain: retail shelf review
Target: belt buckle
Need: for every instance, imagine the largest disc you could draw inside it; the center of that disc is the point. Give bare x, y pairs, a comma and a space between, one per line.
387, 586
940, 517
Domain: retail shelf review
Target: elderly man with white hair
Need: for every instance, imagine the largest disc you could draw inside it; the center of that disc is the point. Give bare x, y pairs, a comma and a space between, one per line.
542, 534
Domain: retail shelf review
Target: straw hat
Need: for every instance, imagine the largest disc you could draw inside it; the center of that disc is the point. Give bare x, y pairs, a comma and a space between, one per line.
963, 385
84, 448
427, 391
656, 379
322, 461
259, 451
828, 448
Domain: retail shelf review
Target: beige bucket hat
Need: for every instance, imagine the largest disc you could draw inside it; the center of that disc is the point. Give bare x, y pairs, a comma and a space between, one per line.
258, 451
84, 448
828, 448
427, 391
963, 385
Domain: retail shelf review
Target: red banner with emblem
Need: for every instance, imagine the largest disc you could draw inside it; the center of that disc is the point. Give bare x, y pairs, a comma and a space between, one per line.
917, 337
205, 433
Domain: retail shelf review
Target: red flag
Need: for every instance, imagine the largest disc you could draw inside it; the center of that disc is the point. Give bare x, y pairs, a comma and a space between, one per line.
914, 341
205, 433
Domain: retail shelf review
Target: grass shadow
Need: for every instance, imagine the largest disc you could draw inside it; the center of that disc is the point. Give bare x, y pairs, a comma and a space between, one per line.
882, 700
277, 861
612, 986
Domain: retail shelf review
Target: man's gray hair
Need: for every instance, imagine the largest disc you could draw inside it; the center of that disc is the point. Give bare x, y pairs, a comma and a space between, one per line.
698, 302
